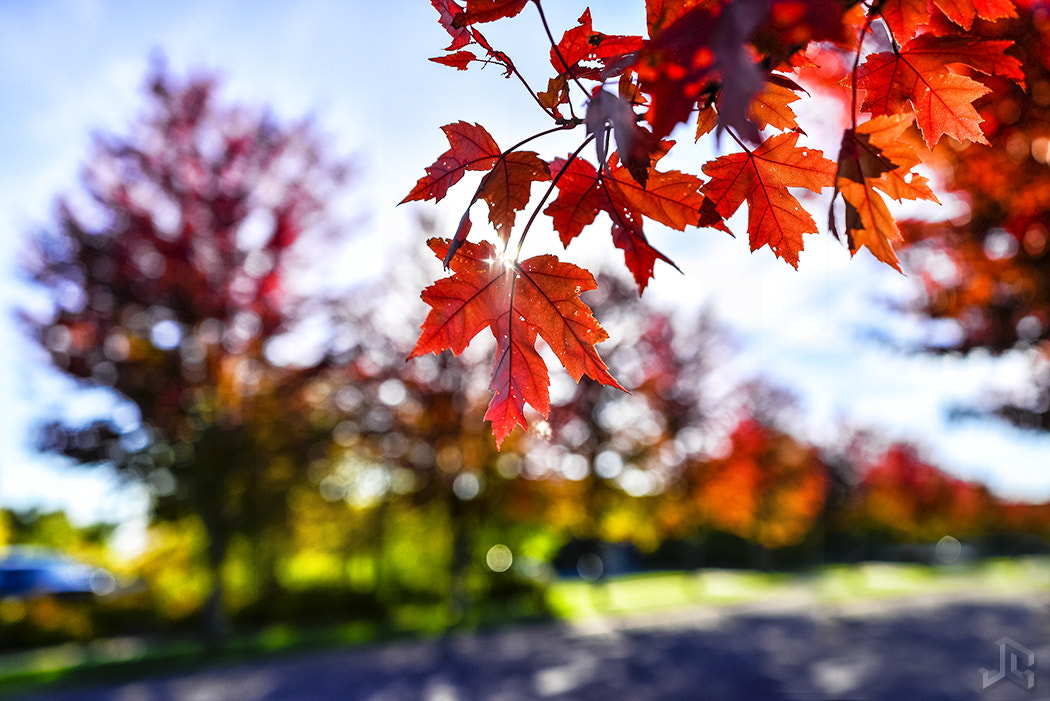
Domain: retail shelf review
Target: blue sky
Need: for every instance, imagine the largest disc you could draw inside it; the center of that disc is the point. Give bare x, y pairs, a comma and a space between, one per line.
70, 68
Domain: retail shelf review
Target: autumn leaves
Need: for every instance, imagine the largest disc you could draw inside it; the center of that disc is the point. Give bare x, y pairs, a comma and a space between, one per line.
732, 65
912, 85
517, 302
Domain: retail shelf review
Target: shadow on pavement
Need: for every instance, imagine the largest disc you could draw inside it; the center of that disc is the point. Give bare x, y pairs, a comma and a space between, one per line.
914, 650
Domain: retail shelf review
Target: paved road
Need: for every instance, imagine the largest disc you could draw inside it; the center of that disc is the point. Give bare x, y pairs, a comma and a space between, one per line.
919, 649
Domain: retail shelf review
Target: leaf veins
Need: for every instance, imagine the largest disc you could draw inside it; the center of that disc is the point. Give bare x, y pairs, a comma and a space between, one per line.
762, 178
472, 148
671, 198
517, 302
943, 101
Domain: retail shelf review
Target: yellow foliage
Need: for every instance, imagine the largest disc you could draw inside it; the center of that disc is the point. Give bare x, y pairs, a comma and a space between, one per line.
174, 568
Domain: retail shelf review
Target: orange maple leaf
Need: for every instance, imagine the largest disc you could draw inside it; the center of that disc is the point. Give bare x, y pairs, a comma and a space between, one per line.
517, 302
919, 73
877, 154
762, 178
904, 17
869, 221
887, 134
963, 12
772, 107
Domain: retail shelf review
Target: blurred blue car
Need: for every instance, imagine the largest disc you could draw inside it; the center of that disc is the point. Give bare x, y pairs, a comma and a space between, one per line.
30, 572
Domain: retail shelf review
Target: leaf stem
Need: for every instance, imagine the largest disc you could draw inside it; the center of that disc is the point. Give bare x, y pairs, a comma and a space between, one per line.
856, 67
740, 143
557, 51
532, 93
563, 127
554, 183
498, 57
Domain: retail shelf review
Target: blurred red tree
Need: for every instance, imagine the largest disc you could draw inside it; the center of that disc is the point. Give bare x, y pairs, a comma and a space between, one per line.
169, 280
903, 498
986, 271
769, 488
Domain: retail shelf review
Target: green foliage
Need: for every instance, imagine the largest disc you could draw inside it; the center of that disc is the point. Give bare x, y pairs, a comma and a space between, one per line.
52, 529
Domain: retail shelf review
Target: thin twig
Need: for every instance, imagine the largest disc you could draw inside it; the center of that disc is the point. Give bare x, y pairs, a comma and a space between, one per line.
557, 51
856, 67
554, 182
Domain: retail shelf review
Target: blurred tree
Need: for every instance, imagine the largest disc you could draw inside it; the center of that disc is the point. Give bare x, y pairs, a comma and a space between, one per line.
409, 437
685, 453
986, 272
52, 529
768, 488
1028, 520
614, 461
415, 434
170, 281
175, 569
902, 498
658, 462
5, 527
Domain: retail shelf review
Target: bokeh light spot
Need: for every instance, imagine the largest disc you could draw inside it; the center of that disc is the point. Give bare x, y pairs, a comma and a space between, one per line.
499, 558
466, 486
948, 550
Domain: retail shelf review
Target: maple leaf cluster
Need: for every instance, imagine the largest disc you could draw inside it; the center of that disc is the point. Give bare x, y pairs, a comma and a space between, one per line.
912, 70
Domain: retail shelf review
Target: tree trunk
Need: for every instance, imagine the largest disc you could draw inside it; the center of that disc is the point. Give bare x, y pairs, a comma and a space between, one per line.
459, 603
215, 624
216, 458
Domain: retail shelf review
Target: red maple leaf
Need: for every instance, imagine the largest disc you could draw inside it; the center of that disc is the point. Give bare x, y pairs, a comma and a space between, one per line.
582, 43
671, 198
762, 178
472, 149
580, 197
791, 24
931, 53
517, 302
449, 9
661, 13
458, 60
479, 11
633, 141
506, 188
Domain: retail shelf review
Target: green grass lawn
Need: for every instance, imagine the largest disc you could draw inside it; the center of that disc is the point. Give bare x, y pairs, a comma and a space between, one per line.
571, 600
577, 600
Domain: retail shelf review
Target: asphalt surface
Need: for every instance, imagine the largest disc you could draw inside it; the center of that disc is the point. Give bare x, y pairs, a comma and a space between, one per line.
916, 649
